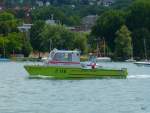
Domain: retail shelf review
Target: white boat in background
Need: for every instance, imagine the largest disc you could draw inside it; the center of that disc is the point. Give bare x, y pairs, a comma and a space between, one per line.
143, 63
146, 62
44, 58
94, 58
130, 60
103, 59
4, 60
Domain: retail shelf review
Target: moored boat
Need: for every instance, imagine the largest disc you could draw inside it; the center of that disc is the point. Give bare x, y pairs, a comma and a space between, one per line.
130, 60
146, 62
4, 60
103, 59
66, 64
143, 63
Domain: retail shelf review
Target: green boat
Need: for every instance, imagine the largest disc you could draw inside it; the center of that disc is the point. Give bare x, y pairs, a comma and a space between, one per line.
66, 65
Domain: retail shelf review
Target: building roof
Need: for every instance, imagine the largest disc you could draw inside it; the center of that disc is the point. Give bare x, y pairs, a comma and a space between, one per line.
67, 51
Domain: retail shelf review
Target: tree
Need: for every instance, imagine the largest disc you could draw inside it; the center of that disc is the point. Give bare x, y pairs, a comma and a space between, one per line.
139, 15
6, 16
107, 25
36, 39
63, 38
80, 42
8, 23
66, 14
44, 13
138, 21
123, 48
60, 36
139, 36
121, 4
15, 42
3, 46
27, 48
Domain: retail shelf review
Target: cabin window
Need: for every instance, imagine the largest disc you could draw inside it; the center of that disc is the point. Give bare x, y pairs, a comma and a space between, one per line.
67, 57
70, 57
57, 57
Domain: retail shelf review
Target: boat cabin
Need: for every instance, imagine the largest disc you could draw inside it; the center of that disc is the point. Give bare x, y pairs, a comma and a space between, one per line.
64, 58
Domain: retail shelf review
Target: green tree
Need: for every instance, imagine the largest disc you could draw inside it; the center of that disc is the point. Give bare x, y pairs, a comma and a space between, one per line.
35, 38
26, 48
139, 15
107, 25
3, 46
139, 36
121, 4
8, 23
44, 13
123, 48
138, 21
63, 38
15, 42
66, 14
80, 42
6, 16
60, 36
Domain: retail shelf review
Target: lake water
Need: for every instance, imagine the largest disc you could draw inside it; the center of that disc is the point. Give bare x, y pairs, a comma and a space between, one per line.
19, 94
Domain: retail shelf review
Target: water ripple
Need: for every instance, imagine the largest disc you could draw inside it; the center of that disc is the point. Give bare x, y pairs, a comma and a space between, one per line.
18, 94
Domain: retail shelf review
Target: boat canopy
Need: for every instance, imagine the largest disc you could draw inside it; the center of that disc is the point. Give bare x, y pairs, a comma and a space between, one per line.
65, 55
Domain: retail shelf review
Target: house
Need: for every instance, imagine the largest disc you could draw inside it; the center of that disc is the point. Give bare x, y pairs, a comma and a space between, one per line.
47, 3
39, 3
86, 25
75, 29
105, 3
88, 22
51, 21
42, 3
25, 27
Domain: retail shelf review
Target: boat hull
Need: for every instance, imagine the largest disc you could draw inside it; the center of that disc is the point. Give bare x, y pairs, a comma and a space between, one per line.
142, 64
65, 72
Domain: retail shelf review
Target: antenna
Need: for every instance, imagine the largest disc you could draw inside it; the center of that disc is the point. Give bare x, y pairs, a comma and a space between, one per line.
52, 17
104, 46
145, 49
50, 45
4, 52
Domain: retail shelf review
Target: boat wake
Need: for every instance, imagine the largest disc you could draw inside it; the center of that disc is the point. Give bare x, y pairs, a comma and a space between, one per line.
138, 76
40, 77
